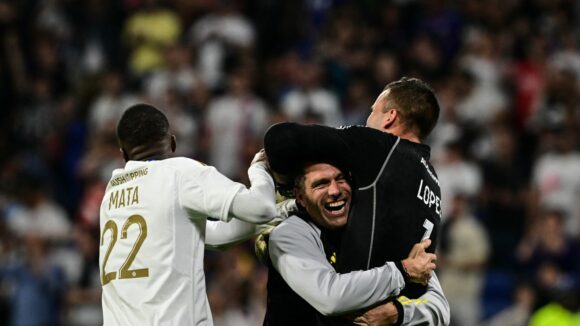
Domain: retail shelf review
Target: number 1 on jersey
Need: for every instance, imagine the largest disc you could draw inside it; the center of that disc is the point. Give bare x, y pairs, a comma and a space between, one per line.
428, 225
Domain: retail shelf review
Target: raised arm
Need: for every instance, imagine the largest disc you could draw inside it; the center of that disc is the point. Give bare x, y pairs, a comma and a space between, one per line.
221, 235
256, 204
204, 191
290, 145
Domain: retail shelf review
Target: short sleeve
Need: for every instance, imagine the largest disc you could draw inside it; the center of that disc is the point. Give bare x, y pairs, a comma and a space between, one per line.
205, 192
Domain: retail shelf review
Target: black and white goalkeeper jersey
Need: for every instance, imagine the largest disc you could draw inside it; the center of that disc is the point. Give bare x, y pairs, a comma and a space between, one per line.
397, 199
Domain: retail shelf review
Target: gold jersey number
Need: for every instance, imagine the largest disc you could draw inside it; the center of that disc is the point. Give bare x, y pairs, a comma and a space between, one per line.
124, 272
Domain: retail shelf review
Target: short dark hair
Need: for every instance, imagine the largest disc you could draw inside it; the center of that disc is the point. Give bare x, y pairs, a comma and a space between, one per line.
142, 124
416, 102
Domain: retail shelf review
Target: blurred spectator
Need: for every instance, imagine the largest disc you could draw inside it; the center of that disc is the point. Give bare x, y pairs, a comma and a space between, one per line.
392, 26
482, 58
309, 95
386, 69
36, 285
458, 177
110, 104
47, 62
527, 75
559, 103
556, 179
95, 169
36, 213
562, 311
84, 295
234, 122
346, 48
444, 23
183, 124
463, 254
519, 312
547, 248
484, 100
238, 289
568, 56
51, 18
147, 32
222, 34
425, 58
36, 120
502, 200
448, 129
358, 103
96, 43
178, 74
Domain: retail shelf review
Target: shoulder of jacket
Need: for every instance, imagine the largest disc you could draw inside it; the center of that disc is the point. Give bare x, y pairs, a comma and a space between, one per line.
294, 224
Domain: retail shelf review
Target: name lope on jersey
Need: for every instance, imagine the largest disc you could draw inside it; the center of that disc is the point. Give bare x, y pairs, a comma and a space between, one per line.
426, 195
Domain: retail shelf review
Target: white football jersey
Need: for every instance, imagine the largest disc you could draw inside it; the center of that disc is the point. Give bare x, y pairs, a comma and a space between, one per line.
153, 218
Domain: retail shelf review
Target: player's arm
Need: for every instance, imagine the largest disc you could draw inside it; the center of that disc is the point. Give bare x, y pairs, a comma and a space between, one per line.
296, 253
221, 235
290, 145
431, 308
284, 141
204, 191
256, 204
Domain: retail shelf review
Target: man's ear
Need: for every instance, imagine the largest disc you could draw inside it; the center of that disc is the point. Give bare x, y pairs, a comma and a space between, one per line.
389, 118
125, 155
173, 143
299, 197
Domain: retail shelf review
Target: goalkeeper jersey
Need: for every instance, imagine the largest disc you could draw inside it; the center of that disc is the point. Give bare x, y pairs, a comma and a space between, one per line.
397, 199
152, 220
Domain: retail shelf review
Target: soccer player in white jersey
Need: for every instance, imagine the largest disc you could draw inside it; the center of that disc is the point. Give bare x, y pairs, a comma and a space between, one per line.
153, 222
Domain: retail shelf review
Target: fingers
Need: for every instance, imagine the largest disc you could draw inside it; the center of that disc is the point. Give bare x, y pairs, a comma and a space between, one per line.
419, 248
260, 156
431, 266
420, 267
415, 250
425, 243
430, 257
430, 261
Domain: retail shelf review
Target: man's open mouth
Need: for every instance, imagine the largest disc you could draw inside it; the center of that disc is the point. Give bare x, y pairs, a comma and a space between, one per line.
336, 208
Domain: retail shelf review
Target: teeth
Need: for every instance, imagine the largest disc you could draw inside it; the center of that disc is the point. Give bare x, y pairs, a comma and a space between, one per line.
336, 204
336, 208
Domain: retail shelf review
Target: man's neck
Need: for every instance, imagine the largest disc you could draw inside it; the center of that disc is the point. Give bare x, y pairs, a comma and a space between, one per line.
411, 137
157, 151
404, 133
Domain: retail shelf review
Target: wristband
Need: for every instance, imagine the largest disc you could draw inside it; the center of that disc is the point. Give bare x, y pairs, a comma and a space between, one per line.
403, 271
400, 310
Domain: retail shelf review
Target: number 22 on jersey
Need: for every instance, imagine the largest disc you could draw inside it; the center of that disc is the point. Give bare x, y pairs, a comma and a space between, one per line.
124, 272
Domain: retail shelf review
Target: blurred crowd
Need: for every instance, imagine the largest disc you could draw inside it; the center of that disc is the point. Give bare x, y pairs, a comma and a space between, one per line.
506, 148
